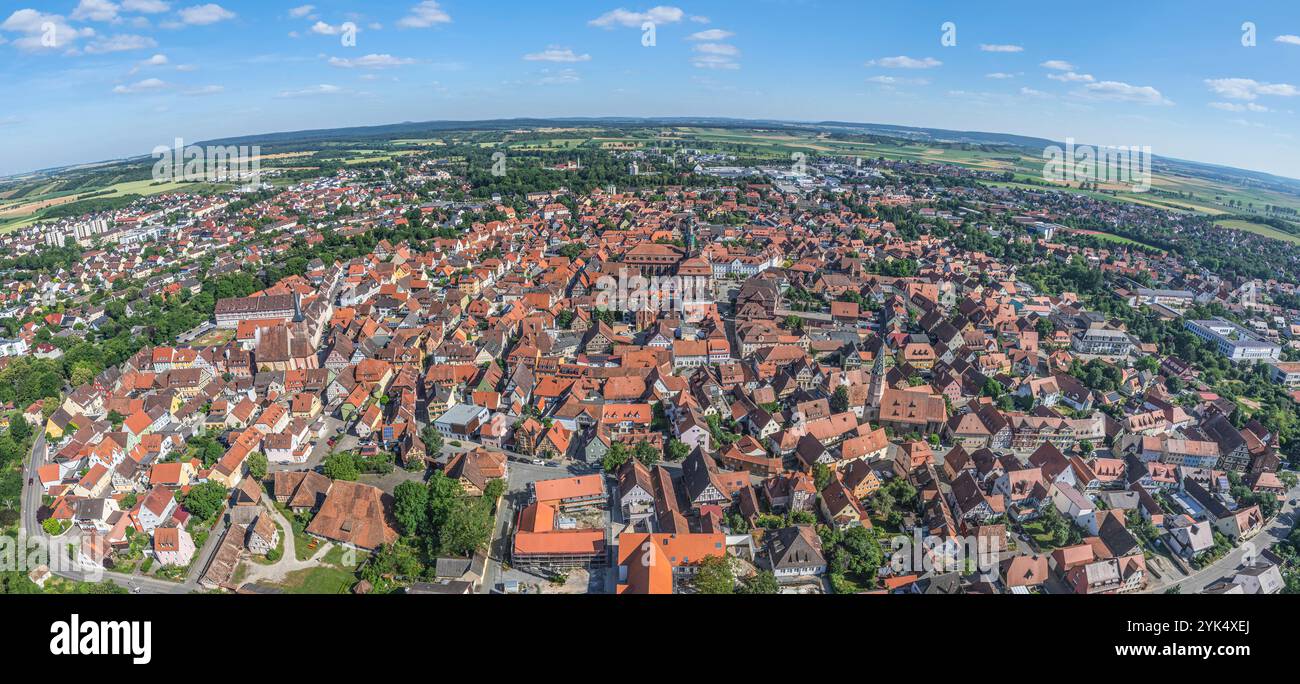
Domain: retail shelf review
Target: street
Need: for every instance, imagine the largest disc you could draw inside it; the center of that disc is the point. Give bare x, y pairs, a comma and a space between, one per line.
32, 492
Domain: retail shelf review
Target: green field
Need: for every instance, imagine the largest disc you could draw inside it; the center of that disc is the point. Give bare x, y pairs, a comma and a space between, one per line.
1259, 229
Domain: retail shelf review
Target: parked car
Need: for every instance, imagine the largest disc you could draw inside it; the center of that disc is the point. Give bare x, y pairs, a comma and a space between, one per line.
538, 461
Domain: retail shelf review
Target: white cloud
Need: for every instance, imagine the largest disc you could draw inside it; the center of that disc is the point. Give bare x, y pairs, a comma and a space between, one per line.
1238, 107
202, 15
205, 90
1288, 39
999, 75
897, 80
206, 14
1057, 65
717, 49
714, 62
120, 43
146, 6
1030, 92
301, 11
711, 34
95, 10
629, 19
146, 86
424, 15
1249, 89
370, 62
718, 56
904, 62
1071, 77
557, 54
322, 89
324, 29
1001, 48
1123, 92
33, 25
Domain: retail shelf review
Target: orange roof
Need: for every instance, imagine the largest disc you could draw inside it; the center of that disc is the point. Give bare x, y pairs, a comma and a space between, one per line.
537, 517
560, 541
618, 413
581, 486
48, 473
138, 422
678, 549
648, 571
165, 473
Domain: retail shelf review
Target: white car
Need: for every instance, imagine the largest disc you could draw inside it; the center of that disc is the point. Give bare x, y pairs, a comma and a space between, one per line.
538, 461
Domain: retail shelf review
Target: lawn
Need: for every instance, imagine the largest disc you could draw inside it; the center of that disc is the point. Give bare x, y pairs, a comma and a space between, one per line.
336, 574
322, 580
1039, 534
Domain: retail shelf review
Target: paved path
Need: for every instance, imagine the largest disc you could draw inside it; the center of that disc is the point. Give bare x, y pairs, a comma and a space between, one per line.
288, 563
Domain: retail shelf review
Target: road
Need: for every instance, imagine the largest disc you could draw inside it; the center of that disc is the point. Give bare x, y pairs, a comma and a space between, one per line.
1277, 531
32, 493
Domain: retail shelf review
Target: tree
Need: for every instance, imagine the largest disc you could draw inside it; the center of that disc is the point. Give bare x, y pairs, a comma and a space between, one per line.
678, 450
822, 475
840, 399
51, 526
864, 556
646, 453
494, 490
410, 507
206, 448
257, 466
399, 559
615, 457
204, 501
761, 582
432, 440
466, 529
715, 576
341, 466
19, 429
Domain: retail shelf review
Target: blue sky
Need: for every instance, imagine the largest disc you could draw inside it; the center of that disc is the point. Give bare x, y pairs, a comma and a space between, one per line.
120, 77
